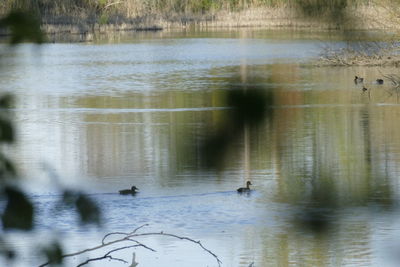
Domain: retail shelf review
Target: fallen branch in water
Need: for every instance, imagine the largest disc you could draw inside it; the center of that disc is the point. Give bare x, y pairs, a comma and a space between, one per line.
395, 79
129, 237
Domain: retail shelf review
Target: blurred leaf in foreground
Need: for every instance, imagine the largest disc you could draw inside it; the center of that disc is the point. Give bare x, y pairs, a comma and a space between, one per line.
19, 211
87, 209
53, 253
23, 26
249, 106
6, 130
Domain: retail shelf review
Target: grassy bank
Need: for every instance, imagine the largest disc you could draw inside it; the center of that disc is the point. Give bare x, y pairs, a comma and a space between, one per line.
134, 8
77, 16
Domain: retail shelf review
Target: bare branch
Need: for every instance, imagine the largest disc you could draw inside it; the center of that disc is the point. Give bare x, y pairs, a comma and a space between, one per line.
141, 245
101, 258
131, 237
126, 238
122, 233
182, 238
108, 256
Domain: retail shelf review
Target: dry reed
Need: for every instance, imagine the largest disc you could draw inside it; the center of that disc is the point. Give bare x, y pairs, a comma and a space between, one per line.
86, 15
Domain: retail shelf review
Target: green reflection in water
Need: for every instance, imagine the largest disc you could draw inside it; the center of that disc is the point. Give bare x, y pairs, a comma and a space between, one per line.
324, 128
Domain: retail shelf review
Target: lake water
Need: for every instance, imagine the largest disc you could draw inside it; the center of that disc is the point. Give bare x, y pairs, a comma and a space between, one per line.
105, 115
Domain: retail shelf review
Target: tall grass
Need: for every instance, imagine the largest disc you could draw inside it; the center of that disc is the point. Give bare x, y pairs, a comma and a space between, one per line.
95, 9
139, 7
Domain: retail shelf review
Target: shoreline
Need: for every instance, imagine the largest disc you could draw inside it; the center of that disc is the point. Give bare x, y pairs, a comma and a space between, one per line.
354, 18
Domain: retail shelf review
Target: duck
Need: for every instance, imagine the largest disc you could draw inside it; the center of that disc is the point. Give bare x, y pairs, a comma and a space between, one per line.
379, 81
131, 191
358, 80
364, 89
245, 189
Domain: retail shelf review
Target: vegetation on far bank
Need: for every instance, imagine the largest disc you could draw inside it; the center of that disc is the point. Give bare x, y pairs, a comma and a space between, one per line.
132, 8
382, 54
184, 12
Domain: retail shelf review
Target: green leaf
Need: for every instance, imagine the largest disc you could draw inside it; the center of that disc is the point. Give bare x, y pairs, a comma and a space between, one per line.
6, 101
69, 198
7, 169
6, 131
88, 210
53, 253
19, 211
23, 26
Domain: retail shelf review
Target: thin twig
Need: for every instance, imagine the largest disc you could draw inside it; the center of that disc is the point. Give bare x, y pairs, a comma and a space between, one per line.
101, 258
108, 256
142, 245
126, 238
122, 233
131, 237
183, 238
110, 234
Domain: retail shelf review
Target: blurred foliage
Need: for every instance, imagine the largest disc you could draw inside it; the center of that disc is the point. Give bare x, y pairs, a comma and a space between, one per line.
88, 210
23, 26
19, 210
7, 131
53, 253
6, 136
6, 128
249, 105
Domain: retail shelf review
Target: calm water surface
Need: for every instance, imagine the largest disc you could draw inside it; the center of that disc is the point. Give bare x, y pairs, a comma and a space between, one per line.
103, 116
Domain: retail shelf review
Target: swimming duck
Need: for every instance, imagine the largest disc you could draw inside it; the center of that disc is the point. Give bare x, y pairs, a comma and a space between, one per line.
379, 81
245, 189
131, 191
358, 80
